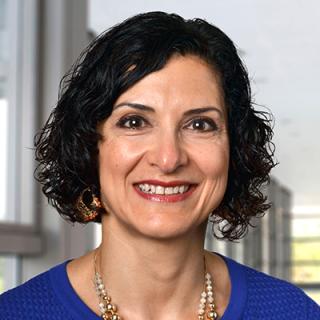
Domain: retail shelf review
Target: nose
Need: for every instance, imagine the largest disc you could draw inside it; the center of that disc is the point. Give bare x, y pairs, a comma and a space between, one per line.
167, 152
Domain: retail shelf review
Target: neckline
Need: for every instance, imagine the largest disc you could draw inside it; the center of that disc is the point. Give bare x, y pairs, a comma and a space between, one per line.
238, 296
69, 298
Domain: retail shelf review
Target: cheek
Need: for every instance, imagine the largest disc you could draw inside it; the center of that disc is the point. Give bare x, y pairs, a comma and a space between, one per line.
117, 158
215, 167
114, 165
213, 160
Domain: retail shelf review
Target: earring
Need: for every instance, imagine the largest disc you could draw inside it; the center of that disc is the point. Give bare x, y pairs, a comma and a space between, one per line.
88, 205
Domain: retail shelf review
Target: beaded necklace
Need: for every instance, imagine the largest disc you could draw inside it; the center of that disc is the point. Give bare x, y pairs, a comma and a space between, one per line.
109, 311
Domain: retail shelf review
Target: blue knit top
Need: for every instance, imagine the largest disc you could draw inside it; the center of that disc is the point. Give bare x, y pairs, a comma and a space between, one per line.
254, 296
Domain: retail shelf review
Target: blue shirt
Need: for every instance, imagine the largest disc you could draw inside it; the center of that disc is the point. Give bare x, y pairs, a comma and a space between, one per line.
254, 296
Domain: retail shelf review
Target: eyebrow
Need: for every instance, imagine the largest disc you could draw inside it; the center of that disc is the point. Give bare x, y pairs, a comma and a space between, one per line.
143, 107
203, 110
138, 106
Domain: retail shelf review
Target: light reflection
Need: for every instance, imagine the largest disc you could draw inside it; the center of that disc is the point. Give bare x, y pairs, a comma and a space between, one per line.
4, 156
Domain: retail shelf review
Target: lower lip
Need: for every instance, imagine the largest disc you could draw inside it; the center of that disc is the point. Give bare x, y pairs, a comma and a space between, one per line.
165, 197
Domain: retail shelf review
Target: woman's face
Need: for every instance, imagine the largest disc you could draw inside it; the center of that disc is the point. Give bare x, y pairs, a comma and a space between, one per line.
164, 156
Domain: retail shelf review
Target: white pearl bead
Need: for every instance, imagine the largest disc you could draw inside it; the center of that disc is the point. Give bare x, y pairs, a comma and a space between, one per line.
102, 309
201, 306
203, 300
201, 312
203, 294
99, 280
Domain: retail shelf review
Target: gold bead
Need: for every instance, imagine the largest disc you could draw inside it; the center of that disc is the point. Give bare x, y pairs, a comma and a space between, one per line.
212, 315
109, 306
107, 298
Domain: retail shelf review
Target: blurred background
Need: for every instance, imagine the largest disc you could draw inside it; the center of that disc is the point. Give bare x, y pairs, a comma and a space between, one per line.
279, 42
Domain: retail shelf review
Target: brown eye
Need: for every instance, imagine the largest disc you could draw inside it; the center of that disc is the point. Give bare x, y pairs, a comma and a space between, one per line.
132, 122
202, 124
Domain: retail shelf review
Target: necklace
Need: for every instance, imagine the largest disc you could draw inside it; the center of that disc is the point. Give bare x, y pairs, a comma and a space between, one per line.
109, 310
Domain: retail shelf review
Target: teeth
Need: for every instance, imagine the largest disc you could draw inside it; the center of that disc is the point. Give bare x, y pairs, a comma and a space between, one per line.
149, 188
159, 190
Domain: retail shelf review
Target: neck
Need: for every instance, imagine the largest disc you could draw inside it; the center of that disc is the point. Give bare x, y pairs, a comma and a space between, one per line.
155, 275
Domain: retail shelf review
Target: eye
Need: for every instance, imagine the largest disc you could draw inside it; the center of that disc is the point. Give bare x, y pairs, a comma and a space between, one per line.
132, 122
202, 124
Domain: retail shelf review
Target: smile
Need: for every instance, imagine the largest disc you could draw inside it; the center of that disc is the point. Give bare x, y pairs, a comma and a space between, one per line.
160, 190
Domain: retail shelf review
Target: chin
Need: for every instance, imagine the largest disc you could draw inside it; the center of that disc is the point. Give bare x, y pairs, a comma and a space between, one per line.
165, 230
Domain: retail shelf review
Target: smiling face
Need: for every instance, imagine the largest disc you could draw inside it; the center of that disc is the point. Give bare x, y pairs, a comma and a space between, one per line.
164, 156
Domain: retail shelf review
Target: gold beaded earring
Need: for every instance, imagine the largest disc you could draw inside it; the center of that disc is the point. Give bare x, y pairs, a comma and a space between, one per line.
88, 205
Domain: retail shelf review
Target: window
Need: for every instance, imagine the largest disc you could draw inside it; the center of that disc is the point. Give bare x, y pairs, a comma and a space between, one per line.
305, 252
4, 83
18, 60
8, 279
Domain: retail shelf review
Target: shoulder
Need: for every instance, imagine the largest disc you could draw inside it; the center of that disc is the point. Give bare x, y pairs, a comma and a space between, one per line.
272, 298
36, 297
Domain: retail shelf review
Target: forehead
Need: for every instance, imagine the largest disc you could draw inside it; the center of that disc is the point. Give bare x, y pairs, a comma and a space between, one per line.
185, 81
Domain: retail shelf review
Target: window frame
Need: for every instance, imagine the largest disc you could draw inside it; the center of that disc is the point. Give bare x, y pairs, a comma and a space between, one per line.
22, 234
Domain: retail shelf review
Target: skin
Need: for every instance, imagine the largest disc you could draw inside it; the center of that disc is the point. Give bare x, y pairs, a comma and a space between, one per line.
151, 255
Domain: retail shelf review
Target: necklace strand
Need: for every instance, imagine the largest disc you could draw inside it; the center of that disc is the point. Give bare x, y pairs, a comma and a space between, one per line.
109, 311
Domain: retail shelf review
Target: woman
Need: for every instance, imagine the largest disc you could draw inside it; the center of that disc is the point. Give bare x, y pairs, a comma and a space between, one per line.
153, 134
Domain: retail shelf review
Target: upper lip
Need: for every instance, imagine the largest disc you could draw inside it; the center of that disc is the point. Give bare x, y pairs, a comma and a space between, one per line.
165, 184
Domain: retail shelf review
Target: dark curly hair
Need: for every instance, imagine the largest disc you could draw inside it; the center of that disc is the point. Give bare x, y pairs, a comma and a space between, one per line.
66, 147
